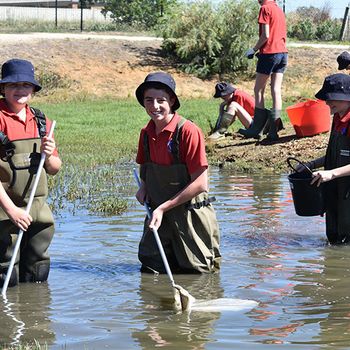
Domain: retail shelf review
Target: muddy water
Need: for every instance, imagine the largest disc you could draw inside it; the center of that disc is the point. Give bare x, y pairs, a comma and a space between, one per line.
96, 297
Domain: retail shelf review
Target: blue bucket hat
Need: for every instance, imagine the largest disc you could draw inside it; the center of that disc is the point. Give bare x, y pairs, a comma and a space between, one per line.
223, 89
18, 71
157, 79
335, 87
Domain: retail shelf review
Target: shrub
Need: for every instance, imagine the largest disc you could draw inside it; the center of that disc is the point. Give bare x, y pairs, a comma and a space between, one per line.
328, 30
206, 40
310, 23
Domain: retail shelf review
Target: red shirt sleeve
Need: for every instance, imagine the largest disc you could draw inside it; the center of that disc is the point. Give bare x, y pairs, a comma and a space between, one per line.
140, 153
192, 147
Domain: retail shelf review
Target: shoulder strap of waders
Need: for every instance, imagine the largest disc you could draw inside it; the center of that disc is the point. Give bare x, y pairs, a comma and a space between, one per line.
174, 143
40, 121
9, 146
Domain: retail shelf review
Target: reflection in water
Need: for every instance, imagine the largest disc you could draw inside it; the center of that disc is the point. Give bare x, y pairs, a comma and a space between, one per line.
99, 299
26, 315
325, 287
193, 329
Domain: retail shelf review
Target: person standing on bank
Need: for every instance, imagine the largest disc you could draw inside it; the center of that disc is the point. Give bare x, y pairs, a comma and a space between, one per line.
237, 103
174, 183
336, 92
272, 62
23, 137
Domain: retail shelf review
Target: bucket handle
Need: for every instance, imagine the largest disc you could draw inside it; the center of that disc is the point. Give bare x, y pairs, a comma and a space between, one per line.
289, 159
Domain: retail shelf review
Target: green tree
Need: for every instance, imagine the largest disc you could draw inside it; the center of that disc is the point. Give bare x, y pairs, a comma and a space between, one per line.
144, 13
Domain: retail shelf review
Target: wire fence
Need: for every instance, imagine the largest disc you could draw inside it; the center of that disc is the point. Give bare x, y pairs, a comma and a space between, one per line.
14, 13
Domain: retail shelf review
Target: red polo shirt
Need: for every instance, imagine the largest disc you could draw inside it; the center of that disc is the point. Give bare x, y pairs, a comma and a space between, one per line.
15, 128
192, 145
245, 100
342, 125
272, 15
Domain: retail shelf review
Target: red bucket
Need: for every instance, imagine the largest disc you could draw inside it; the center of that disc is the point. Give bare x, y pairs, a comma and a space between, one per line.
309, 118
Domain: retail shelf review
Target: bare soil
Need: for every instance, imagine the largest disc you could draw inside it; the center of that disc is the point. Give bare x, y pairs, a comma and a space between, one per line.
105, 68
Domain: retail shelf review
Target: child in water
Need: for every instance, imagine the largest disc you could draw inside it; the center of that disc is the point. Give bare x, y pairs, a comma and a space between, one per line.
336, 174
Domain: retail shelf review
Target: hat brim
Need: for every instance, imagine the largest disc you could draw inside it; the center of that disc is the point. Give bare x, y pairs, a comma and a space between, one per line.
21, 78
326, 96
224, 93
343, 65
149, 84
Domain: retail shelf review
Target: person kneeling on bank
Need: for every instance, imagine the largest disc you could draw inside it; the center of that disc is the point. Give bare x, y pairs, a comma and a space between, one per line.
236, 103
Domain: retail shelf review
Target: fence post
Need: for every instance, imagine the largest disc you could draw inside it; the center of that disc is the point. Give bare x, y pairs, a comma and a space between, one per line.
56, 9
344, 24
81, 14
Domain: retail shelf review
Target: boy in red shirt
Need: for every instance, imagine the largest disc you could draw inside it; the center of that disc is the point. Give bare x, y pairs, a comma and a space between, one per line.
23, 136
237, 103
272, 62
174, 183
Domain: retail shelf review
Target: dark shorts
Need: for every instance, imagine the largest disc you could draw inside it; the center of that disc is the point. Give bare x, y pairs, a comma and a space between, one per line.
272, 63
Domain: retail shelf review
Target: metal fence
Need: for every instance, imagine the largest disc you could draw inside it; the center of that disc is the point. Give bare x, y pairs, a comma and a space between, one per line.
14, 13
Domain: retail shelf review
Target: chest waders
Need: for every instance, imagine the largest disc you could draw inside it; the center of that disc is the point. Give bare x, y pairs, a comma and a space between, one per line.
19, 162
338, 190
189, 232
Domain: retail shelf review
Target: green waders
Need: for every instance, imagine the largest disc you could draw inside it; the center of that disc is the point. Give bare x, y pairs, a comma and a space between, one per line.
189, 232
337, 191
18, 165
222, 124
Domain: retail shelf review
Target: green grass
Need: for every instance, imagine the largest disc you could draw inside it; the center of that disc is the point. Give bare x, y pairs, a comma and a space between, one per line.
35, 345
98, 141
98, 132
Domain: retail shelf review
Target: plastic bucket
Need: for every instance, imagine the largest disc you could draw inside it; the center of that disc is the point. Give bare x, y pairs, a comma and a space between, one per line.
308, 199
309, 118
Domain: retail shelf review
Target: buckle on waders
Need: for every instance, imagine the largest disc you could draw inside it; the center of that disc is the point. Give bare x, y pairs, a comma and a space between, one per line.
204, 203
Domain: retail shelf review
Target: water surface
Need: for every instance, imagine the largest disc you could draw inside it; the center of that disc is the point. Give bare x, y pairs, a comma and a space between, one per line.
96, 297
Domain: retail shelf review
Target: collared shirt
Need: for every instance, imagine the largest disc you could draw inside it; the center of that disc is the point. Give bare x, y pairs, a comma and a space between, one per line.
272, 15
192, 145
17, 129
342, 124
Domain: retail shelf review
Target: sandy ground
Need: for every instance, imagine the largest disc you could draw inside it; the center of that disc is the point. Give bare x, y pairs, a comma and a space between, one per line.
114, 65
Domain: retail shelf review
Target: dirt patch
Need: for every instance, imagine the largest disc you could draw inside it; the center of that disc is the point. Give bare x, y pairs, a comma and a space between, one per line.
250, 155
105, 68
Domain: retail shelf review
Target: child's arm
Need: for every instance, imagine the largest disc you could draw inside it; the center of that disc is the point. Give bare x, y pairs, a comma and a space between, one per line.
198, 184
328, 175
312, 164
52, 163
17, 215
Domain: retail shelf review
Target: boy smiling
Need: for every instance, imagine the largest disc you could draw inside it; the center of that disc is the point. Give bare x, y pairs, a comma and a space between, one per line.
174, 182
23, 132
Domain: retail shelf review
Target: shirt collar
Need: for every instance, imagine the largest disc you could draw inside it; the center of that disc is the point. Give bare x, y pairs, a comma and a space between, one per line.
8, 113
170, 127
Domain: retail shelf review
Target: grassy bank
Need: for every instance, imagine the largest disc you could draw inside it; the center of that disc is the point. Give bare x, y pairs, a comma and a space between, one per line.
98, 141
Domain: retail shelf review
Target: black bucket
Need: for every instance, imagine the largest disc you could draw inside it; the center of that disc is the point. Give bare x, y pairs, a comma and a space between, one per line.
308, 199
